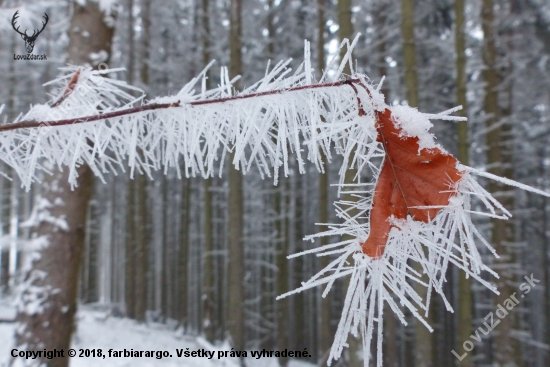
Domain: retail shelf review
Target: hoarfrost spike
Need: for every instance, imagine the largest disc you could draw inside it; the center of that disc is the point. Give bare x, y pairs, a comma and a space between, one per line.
401, 215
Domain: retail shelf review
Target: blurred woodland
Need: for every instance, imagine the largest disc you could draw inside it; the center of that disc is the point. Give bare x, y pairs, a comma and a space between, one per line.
209, 256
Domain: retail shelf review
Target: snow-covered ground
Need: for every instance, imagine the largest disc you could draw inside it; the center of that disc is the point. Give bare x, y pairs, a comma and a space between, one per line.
97, 330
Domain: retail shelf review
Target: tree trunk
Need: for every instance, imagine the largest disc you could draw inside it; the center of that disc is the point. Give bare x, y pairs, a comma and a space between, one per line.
499, 158
465, 299
130, 289
461, 87
281, 236
141, 249
130, 294
146, 34
542, 31
184, 254
53, 278
544, 208
140, 190
235, 264
409, 52
14, 233
209, 326
131, 42
281, 262
345, 29
299, 335
165, 278
270, 30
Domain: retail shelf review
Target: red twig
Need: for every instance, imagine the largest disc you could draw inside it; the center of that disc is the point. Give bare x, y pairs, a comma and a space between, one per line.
79, 120
156, 106
278, 91
70, 88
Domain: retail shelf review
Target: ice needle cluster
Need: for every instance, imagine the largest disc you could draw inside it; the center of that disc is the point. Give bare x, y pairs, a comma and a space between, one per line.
286, 115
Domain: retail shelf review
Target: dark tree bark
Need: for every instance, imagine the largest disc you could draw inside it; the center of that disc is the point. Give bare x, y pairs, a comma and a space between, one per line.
146, 29
140, 189
235, 264
209, 325
54, 277
465, 299
129, 276
184, 253
141, 248
281, 246
345, 29
49, 295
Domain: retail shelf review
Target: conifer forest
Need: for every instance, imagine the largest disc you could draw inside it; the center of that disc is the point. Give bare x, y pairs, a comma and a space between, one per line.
275, 183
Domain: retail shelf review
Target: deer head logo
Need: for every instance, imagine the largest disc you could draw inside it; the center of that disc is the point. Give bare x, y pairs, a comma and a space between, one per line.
29, 40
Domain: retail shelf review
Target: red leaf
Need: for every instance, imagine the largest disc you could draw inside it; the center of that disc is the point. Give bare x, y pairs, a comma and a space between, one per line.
408, 178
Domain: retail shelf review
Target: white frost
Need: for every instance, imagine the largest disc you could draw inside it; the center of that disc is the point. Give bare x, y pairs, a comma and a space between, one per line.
265, 131
450, 237
41, 213
414, 124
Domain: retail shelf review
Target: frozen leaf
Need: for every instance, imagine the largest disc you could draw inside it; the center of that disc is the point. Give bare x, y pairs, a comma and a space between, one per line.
413, 181
416, 209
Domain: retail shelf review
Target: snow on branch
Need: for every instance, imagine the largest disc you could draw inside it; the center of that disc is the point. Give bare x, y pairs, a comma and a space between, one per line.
106, 128
416, 208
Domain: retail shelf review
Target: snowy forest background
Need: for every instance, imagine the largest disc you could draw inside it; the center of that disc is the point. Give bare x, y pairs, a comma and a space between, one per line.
157, 250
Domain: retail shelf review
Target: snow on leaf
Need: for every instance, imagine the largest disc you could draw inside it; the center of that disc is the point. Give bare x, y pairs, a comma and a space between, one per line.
416, 209
413, 181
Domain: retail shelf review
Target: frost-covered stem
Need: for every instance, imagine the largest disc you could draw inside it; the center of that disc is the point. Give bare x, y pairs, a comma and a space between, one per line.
157, 106
278, 91
79, 120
